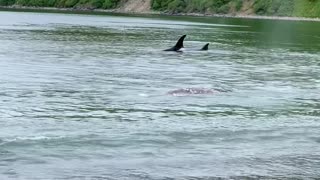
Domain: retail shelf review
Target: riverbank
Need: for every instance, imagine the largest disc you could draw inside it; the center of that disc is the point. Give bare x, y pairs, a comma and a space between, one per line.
146, 12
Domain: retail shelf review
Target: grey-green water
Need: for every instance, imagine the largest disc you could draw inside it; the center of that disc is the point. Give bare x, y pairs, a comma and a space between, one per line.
85, 97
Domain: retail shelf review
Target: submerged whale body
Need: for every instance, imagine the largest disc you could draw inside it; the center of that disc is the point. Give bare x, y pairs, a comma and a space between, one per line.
194, 91
179, 45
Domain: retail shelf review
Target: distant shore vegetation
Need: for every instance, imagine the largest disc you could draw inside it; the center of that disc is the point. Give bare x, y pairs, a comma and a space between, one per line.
103, 4
298, 8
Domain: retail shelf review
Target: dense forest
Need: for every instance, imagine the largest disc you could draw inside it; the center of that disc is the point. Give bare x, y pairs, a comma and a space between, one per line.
104, 4
300, 8
303, 8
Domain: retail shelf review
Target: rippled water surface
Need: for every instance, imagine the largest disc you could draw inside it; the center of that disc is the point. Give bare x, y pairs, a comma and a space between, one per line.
85, 97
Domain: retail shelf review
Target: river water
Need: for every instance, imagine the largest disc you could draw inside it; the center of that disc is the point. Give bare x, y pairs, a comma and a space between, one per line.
85, 97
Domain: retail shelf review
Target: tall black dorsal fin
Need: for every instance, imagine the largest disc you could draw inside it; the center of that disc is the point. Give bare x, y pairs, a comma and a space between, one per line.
205, 47
178, 45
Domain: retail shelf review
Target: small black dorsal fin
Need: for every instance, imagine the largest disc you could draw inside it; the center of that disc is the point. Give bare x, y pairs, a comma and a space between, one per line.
205, 47
178, 45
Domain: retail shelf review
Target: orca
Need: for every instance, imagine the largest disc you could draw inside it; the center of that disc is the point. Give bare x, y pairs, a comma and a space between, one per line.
179, 45
205, 47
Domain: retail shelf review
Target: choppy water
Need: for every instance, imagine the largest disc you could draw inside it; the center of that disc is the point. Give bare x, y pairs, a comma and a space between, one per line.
85, 97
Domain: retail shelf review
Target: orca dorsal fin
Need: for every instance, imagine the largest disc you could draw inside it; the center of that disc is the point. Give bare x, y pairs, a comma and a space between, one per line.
178, 45
205, 47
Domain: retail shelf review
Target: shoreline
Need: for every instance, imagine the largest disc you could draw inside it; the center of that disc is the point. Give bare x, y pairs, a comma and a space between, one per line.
122, 12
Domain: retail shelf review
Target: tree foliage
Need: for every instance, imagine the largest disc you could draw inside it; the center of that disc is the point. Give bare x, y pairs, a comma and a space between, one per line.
303, 8
215, 6
6, 2
306, 8
106, 4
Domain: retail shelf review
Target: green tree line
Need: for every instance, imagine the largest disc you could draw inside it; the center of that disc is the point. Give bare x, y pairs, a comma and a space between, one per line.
303, 8
104, 4
300, 8
178, 6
